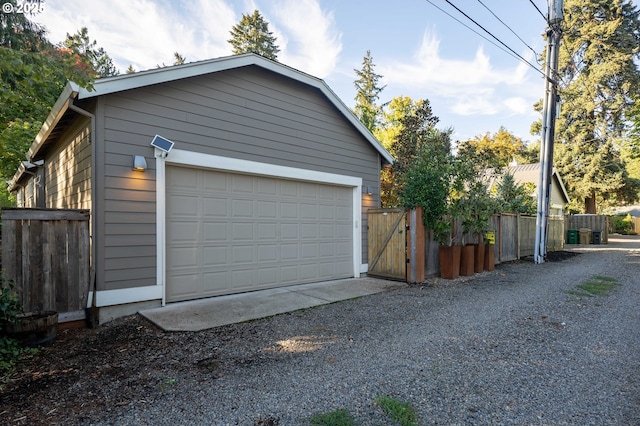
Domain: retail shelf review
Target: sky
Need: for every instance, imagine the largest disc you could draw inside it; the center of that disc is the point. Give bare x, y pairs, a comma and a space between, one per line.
474, 83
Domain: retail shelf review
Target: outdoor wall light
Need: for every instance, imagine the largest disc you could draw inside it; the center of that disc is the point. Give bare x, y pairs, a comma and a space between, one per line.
368, 190
139, 163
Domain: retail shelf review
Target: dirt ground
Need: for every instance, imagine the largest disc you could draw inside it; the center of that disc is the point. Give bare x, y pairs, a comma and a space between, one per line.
89, 371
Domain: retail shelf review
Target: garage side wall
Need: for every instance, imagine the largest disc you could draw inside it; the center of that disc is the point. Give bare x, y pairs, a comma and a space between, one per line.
248, 113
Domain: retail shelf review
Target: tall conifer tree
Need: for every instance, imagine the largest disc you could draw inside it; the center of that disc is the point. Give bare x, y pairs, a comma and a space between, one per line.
252, 34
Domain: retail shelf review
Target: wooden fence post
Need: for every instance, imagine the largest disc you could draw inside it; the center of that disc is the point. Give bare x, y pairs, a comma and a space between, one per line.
416, 245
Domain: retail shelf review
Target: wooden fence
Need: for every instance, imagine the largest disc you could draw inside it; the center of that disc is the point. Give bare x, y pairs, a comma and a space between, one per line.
555, 236
394, 250
593, 222
45, 252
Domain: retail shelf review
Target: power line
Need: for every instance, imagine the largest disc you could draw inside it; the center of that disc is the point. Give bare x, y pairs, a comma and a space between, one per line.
469, 28
510, 50
540, 12
509, 28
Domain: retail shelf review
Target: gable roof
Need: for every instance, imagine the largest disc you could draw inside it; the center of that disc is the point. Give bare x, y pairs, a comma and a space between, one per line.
136, 80
523, 173
105, 86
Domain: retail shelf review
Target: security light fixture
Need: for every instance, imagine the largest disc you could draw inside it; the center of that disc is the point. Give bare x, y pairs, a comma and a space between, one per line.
368, 190
139, 163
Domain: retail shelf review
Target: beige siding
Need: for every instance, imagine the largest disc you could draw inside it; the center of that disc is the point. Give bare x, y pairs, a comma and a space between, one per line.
68, 170
247, 113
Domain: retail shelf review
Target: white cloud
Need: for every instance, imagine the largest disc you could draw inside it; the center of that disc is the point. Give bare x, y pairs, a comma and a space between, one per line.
309, 38
466, 87
145, 33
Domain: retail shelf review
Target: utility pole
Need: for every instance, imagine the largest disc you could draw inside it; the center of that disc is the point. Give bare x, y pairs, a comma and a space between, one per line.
554, 33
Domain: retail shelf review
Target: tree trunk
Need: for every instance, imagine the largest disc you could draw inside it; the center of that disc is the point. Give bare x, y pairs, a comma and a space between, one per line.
590, 204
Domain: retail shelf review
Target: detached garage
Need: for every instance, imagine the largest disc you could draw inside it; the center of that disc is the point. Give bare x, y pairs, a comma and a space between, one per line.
267, 183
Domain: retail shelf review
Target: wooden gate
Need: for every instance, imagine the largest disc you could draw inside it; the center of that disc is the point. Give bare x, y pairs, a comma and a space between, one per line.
388, 243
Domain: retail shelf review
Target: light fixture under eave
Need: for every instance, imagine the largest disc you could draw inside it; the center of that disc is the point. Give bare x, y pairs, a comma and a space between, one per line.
139, 163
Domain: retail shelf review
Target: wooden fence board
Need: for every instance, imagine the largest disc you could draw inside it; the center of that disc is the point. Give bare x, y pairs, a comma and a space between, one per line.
46, 254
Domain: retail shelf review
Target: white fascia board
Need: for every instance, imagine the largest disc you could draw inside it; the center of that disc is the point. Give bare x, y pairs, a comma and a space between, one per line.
57, 111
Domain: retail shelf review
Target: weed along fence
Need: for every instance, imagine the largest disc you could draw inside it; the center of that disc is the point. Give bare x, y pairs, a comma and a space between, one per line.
400, 248
46, 253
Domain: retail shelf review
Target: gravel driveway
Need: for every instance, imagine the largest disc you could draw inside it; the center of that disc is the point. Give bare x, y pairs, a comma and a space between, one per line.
510, 346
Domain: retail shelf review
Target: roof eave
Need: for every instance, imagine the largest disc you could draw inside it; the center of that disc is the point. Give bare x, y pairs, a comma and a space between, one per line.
69, 92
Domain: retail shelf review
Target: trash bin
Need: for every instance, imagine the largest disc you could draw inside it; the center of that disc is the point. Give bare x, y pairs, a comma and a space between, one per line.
595, 237
585, 235
572, 236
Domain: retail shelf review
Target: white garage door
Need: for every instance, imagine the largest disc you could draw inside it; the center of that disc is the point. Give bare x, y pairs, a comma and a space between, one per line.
230, 232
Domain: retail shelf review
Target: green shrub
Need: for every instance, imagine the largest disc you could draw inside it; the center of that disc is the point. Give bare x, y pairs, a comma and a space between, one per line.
621, 224
10, 308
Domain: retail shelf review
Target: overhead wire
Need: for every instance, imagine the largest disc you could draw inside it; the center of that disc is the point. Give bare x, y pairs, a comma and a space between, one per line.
546, 19
469, 28
536, 55
508, 50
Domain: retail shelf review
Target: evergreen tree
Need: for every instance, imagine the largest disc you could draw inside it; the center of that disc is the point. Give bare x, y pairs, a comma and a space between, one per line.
178, 59
598, 76
368, 93
252, 34
130, 69
92, 58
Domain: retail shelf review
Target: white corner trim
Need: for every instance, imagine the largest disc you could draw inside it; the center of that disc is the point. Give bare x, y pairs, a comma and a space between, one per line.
125, 295
364, 268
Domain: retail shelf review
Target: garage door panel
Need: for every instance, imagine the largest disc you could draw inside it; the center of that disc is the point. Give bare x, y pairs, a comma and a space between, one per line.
186, 286
242, 231
289, 252
215, 207
215, 256
183, 205
183, 257
228, 233
267, 210
213, 180
184, 231
289, 231
214, 282
214, 232
309, 231
268, 253
242, 184
267, 231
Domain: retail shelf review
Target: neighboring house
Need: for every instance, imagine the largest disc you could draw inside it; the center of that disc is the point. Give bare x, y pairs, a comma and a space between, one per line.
530, 173
267, 185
